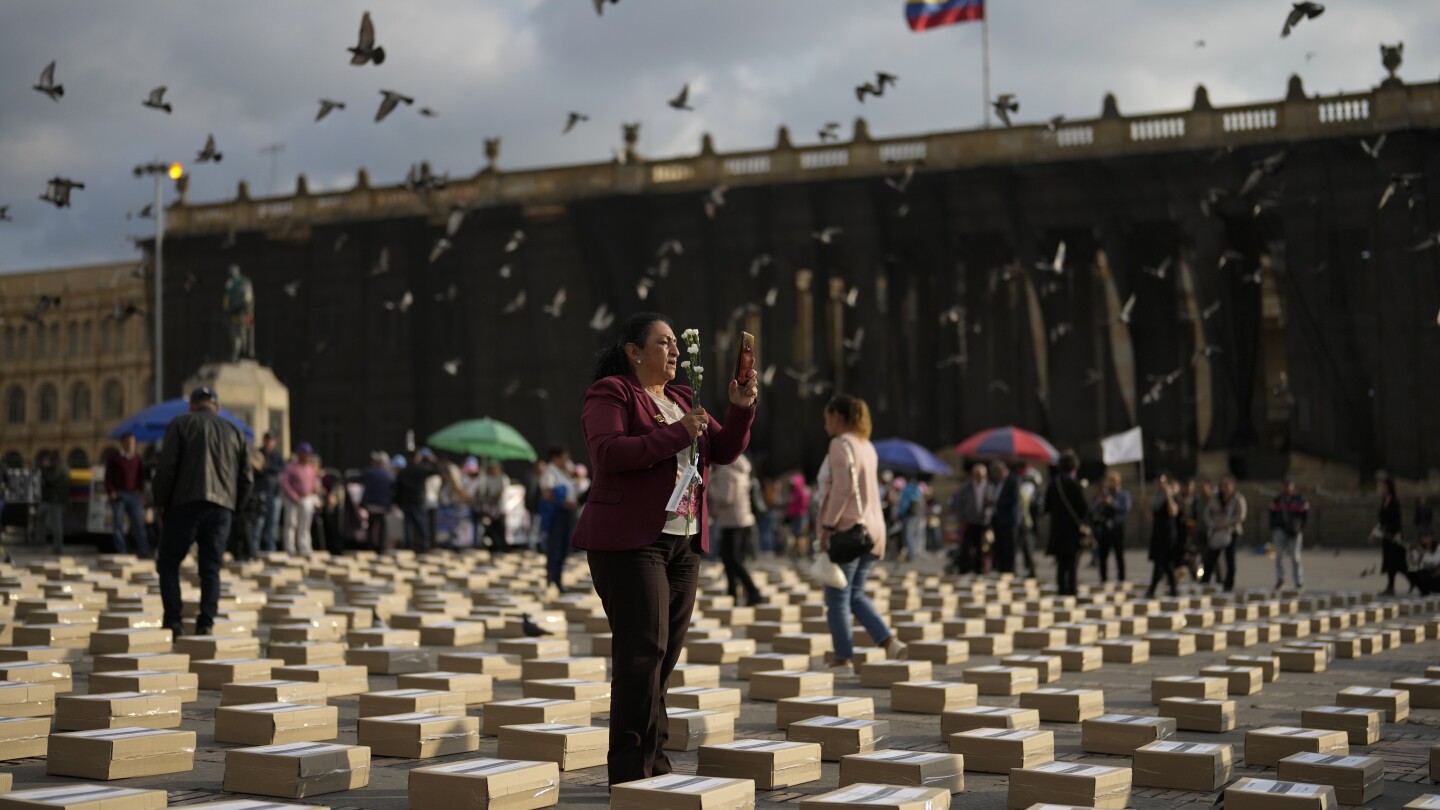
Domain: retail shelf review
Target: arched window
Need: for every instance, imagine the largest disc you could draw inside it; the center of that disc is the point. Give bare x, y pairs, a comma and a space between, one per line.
78, 459
54, 340
87, 339
79, 402
9, 343
105, 326
39, 340
73, 347
15, 405
112, 400
22, 343
47, 403
121, 327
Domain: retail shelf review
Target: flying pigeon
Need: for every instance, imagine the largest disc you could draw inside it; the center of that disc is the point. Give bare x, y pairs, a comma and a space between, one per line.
557, 305
402, 305
452, 367
600, 6
57, 191
157, 101
365, 50
571, 120
1298, 12
1004, 105
326, 105
208, 153
389, 103
47, 83
602, 319
681, 101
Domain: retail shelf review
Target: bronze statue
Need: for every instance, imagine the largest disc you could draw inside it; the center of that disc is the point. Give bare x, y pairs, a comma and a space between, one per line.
239, 303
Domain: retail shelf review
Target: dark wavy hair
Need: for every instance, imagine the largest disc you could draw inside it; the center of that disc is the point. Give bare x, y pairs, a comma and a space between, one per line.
612, 360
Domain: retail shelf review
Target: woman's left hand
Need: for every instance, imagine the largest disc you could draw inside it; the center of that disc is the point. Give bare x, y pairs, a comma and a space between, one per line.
822, 539
746, 395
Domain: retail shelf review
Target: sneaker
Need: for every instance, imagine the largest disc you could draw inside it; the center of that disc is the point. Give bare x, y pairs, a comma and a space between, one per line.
898, 650
843, 672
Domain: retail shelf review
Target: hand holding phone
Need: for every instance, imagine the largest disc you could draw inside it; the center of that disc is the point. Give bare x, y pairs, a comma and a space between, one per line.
745, 360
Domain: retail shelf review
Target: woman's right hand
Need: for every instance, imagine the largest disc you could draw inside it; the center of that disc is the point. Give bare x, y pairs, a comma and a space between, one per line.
696, 422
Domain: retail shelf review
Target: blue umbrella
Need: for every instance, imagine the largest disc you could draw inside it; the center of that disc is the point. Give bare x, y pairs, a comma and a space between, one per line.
908, 456
149, 425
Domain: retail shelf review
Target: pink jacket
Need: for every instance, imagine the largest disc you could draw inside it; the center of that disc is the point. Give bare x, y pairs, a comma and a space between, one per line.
298, 481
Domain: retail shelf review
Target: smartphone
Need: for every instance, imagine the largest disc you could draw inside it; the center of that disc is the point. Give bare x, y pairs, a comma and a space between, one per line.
745, 360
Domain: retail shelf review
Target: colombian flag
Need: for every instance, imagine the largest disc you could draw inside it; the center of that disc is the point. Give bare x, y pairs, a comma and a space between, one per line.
926, 14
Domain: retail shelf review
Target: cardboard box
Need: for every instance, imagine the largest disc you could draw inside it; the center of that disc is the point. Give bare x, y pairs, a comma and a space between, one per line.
932, 697
391, 660
770, 764
120, 753
57, 675
216, 673
780, 684
22, 737
1265, 747
1187, 686
790, 710
718, 699
996, 750
907, 768
1424, 692
297, 770
183, 685
476, 688
212, 647
1395, 703
1269, 794
453, 634
308, 652
707, 675
1001, 717
1122, 734
477, 784
689, 729
1074, 783
419, 735
340, 680
1362, 726
998, 680
1199, 714
268, 724
1357, 780
404, 701
1241, 635
1301, 660
881, 674
1171, 644
239, 694
116, 710
164, 662
26, 699
47, 655
498, 666
1039, 638
880, 796
1125, 651
1065, 705
529, 711
1047, 667
1202, 767
989, 644
249, 804
84, 797
840, 736
1430, 801
730, 651
681, 792
571, 747
1269, 665
1078, 657
597, 692
769, 662
584, 669
953, 651
131, 640
1239, 680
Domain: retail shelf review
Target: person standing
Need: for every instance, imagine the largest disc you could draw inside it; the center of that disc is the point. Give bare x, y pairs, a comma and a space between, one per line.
54, 497
411, 487
267, 487
1164, 534
1388, 533
645, 559
203, 475
973, 504
1108, 513
125, 484
1225, 522
297, 493
732, 511
852, 500
797, 511
490, 489
377, 496
558, 496
1031, 496
1424, 516
1065, 503
1009, 518
1289, 512
910, 513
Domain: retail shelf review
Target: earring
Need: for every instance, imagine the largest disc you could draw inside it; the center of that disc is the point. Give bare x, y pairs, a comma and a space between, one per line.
638, 361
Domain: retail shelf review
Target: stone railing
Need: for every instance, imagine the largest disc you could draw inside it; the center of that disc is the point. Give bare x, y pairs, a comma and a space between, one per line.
1393, 106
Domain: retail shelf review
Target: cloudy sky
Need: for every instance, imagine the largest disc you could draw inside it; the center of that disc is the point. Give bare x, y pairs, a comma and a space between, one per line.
252, 72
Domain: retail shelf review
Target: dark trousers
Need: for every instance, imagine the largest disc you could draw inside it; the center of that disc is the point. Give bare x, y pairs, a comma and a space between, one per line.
1427, 581
972, 550
1107, 542
375, 532
206, 526
417, 528
648, 595
732, 555
1065, 579
1025, 540
129, 504
557, 545
1162, 569
1005, 549
1212, 561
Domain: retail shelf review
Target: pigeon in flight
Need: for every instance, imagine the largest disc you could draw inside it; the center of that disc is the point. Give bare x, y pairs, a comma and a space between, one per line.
208, 153
122, 311
884, 80
365, 50
515, 305
867, 89
455, 219
452, 367
682, 101
5, 214
670, 247
439, 250
389, 103
516, 240
1160, 270
42, 304
571, 120
47, 83
326, 106
829, 132
600, 6
1126, 310
1057, 264
1004, 106
403, 304
1373, 149
292, 289
1298, 12
426, 112
1429, 242
715, 200
902, 183
382, 263
643, 287
451, 293
156, 100
602, 319
771, 296
1399, 182
827, 235
556, 307
1260, 169
759, 263
1210, 311
57, 191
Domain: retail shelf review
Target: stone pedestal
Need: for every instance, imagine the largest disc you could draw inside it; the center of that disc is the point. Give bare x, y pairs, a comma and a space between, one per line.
253, 393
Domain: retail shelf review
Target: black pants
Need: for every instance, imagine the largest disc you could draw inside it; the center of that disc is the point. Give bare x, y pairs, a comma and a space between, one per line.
557, 546
206, 526
375, 530
1162, 569
1426, 581
733, 542
1110, 541
1065, 579
417, 528
1212, 560
1004, 552
648, 595
972, 550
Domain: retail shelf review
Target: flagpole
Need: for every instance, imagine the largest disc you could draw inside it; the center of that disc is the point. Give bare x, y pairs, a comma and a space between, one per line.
985, 69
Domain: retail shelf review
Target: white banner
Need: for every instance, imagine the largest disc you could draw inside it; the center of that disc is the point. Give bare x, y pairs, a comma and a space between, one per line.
1123, 448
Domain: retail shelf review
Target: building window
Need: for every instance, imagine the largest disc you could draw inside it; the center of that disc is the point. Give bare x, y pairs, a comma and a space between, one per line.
112, 400
22, 343
47, 403
121, 327
15, 405
105, 327
39, 341
78, 459
87, 343
54, 340
79, 402
73, 344
9, 343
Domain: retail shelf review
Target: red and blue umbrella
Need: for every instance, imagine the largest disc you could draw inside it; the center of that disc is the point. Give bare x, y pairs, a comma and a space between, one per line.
907, 456
149, 425
1008, 442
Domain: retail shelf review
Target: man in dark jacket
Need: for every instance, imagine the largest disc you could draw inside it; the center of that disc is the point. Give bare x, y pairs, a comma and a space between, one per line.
1065, 503
1288, 513
267, 491
1007, 518
54, 497
203, 476
125, 484
410, 497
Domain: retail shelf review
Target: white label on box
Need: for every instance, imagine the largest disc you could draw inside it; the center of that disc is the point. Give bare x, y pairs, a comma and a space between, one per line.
549, 728
870, 794
1288, 788
898, 756
273, 707
296, 749
1182, 747
1428, 802
475, 767
67, 795
681, 783
1072, 769
1311, 758
758, 745
688, 714
412, 717
109, 696
836, 722
117, 733
1286, 731
1000, 733
990, 710
531, 702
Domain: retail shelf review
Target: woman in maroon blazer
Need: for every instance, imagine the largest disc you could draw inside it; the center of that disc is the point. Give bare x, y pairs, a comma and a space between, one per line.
638, 428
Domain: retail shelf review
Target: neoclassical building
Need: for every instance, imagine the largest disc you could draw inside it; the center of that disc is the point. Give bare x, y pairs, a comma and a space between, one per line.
70, 374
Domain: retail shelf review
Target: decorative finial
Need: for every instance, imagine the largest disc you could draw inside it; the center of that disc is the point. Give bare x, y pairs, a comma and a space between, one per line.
782, 138
1111, 108
1391, 56
862, 130
1295, 89
1202, 99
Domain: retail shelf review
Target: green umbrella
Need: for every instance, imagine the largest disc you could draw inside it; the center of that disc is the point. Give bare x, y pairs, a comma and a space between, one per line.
486, 438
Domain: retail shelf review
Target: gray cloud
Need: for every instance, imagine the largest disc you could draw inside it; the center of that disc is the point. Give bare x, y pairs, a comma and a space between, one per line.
252, 73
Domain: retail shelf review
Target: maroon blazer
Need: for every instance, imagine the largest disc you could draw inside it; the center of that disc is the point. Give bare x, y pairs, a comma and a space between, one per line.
632, 462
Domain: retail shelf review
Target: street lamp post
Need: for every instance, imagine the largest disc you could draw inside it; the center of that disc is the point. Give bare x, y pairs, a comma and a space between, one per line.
160, 171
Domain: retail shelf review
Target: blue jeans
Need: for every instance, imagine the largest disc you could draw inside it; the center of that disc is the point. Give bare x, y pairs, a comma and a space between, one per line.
129, 503
767, 532
557, 544
263, 537
51, 520
207, 527
914, 536
841, 602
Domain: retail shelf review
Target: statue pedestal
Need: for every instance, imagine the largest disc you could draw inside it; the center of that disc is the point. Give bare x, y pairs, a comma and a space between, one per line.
253, 393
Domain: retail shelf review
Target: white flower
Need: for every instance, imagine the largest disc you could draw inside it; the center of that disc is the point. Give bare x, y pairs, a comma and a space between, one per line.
694, 348
699, 369
685, 364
